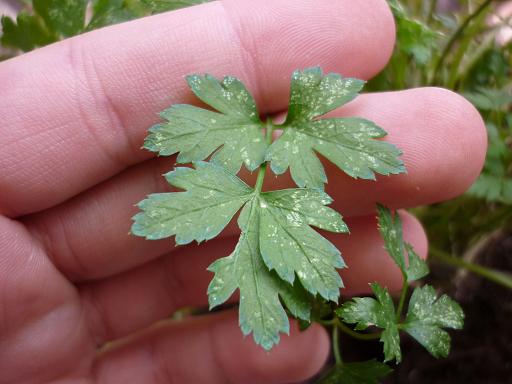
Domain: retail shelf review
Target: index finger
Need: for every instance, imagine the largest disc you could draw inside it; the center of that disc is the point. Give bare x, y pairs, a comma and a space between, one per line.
75, 113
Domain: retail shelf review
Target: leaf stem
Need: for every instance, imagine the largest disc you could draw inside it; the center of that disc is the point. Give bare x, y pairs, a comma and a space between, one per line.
337, 323
263, 167
498, 277
403, 295
336, 345
431, 11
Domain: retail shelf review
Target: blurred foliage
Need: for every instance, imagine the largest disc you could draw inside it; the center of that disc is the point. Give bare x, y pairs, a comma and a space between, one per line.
466, 51
459, 45
42, 22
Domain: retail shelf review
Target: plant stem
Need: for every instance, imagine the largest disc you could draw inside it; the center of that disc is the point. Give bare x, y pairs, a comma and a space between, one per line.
462, 49
473, 57
356, 335
263, 167
456, 35
498, 277
336, 345
403, 295
261, 177
431, 11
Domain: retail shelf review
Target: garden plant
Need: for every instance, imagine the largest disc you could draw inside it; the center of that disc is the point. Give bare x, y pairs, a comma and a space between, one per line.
283, 265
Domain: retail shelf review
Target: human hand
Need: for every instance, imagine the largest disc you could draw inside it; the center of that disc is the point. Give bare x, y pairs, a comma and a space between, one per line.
74, 116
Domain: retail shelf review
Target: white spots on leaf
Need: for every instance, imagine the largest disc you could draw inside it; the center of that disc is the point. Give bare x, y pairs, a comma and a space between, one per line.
226, 94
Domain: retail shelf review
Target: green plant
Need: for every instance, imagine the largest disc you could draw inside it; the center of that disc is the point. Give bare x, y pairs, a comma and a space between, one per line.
461, 51
456, 50
46, 21
281, 266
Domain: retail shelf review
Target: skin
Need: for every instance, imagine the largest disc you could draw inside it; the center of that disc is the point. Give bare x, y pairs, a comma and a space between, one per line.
74, 115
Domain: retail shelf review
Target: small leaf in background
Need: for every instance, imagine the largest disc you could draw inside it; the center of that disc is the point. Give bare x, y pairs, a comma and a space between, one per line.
487, 99
493, 188
65, 17
234, 133
169, 5
380, 312
366, 372
211, 199
27, 33
390, 227
277, 243
320, 309
413, 36
426, 317
417, 267
261, 312
495, 182
347, 142
491, 70
313, 94
108, 12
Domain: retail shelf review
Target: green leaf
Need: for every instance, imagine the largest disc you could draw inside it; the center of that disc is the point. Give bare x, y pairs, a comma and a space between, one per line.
490, 99
312, 94
261, 311
320, 308
289, 246
287, 243
27, 33
362, 311
414, 38
196, 133
493, 188
347, 142
170, 5
296, 300
309, 204
276, 245
366, 372
212, 198
391, 340
65, 17
380, 312
495, 183
426, 317
417, 267
390, 227
280, 262
108, 12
